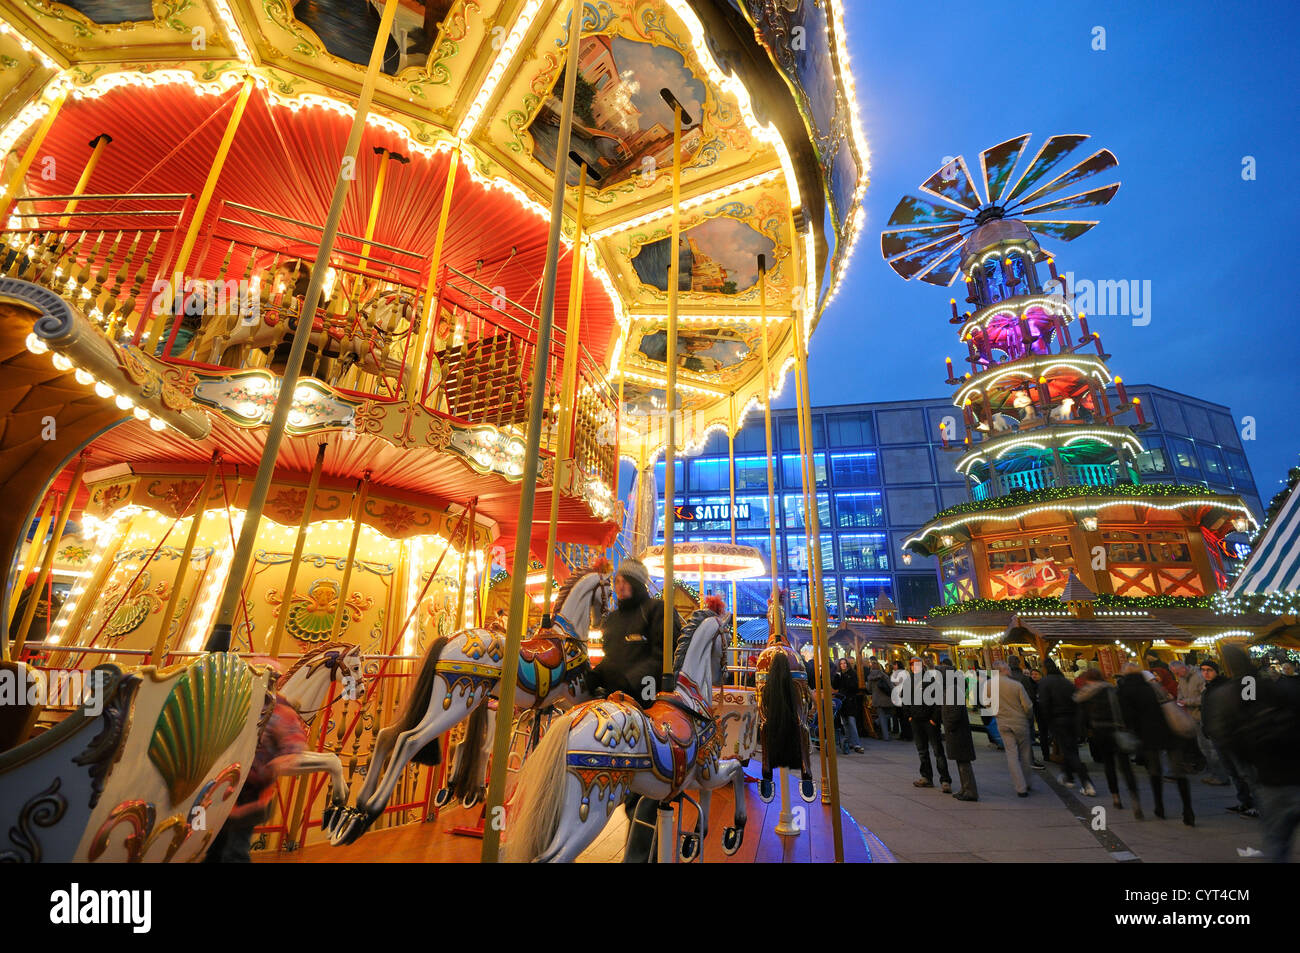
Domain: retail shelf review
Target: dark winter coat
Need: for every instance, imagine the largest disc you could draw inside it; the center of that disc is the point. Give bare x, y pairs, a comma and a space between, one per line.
632, 636
1142, 714
1056, 701
957, 741
1098, 706
1263, 730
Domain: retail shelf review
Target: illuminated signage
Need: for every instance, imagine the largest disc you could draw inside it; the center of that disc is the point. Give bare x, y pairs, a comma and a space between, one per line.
705, 512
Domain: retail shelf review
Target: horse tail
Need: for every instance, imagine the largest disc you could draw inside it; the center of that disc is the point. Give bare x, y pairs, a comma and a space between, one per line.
779, 713
417, 704
471, 760
538, 804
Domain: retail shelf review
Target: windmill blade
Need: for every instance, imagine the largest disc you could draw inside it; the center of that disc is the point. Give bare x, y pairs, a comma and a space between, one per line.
997, 163
913, 211
898, 241
1065, 231
1095, 164
953, 183
939, 240
917, 262
1052, 154
1079, 200
943, 270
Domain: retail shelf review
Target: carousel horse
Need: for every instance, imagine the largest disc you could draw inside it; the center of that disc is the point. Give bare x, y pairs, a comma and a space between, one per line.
375, 343
283, 748
783, 706
606, 748
459, 673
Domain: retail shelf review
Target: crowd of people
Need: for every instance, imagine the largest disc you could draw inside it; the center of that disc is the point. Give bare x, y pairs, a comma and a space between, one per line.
1235, 722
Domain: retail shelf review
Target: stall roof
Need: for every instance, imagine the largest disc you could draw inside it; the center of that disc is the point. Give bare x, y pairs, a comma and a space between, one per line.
1023, 630
878, 632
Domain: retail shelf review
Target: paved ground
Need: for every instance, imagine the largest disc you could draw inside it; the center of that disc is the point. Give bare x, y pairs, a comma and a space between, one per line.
925, 825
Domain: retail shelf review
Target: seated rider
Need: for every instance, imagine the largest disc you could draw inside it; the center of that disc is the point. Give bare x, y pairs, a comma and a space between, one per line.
632, 635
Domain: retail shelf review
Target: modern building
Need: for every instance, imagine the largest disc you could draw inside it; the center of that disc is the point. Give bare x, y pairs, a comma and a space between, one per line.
883, 472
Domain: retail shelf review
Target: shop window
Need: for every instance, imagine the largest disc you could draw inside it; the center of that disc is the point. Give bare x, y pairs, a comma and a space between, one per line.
855, 469
859, 509
868, 551
851, 430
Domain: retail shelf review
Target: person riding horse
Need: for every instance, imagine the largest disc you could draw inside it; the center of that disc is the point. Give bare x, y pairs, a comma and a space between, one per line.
632, 636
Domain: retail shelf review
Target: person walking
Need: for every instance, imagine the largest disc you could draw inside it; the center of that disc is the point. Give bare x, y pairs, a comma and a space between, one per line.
958, 741
1035, 719
879, 685
1100, 712
927, 734
845, 682
902, 721
1015, 715
1218, 696
1140, 706
1061, 717
1191, 689
1264, 729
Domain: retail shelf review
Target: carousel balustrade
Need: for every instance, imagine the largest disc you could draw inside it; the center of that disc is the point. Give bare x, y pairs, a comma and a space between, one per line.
99, 258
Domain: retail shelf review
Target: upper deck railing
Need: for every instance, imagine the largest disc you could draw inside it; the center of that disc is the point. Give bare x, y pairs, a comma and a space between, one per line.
238, 301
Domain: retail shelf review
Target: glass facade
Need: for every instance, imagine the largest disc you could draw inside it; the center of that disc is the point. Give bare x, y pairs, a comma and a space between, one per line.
1194, 441
882, 472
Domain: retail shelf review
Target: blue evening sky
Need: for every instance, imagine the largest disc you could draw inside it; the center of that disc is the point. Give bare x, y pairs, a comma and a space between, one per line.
1182, 92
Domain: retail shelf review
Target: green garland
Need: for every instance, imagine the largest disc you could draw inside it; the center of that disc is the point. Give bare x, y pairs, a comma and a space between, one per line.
1052, 604
1021, 497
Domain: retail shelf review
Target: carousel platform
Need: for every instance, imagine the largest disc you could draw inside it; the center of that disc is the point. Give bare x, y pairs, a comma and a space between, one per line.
433, 842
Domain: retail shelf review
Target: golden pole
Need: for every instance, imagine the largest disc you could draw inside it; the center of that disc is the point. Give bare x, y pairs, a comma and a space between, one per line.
282, 617
219, 640
567, 386
670, 445
96, 150
778, 618
494, 810
201, 209
359, 507
731, 481
825, 729
814, 537
38, 543
33, 149
187, 553
47, 563
430, 298
467, 544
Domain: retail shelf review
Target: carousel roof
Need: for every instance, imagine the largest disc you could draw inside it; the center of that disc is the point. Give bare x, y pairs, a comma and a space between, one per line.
775, 157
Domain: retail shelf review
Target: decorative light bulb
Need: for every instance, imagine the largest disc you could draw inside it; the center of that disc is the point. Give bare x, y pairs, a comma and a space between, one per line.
156, 424
124, 402
103, 390
61, 362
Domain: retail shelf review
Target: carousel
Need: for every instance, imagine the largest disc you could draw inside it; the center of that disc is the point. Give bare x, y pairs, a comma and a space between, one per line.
326, 331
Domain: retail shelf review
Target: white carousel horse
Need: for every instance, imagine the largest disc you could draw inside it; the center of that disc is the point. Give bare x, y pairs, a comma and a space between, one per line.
282, 746
605, 748
375, 344
459, 672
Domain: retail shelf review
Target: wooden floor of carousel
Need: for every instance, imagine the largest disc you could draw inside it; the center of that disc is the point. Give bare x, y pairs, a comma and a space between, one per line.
434, 842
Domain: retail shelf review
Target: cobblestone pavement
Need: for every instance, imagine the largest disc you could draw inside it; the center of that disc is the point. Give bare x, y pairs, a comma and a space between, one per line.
1054, 823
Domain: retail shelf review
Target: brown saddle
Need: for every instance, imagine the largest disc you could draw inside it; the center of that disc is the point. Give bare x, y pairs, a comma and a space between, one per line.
671, 720
548, 652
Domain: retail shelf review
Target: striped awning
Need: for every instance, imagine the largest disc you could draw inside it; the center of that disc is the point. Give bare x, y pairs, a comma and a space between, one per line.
1274, 566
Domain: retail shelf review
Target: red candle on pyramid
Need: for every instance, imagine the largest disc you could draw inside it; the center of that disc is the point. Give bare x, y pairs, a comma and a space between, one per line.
1051, 266
953, 302
948, 364
1083, 326
1137, 405
1119, 389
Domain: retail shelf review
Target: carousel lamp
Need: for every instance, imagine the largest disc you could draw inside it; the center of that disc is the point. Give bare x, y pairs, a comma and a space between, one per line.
1089, 523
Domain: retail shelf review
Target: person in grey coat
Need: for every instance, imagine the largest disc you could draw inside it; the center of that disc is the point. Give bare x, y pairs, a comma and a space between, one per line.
1015, 714
958, 742
879, 685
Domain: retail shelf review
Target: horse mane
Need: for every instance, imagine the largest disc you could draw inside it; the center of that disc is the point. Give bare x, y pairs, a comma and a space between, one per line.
567, 587
688, 632
317, 657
